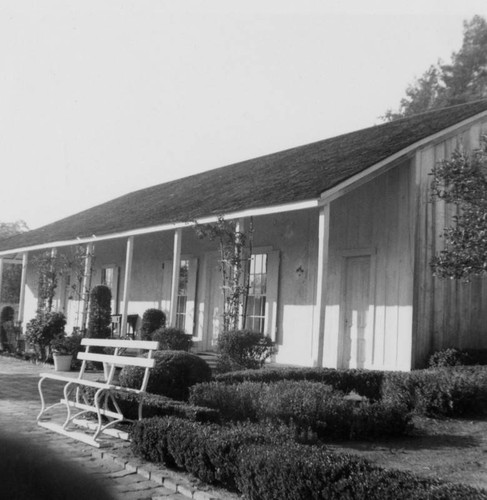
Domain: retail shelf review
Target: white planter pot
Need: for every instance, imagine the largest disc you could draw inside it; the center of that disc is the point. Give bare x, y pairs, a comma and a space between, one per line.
62, 362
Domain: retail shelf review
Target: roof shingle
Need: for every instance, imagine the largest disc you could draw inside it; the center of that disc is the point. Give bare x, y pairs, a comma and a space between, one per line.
297, 174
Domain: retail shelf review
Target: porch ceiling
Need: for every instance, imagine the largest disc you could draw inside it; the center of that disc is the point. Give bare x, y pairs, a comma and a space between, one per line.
295, 175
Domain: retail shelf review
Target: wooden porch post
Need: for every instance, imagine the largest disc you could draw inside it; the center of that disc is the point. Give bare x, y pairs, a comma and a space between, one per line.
85, 297
321, 284
23, 281
126, 283
240, 228
1, 277
176, 265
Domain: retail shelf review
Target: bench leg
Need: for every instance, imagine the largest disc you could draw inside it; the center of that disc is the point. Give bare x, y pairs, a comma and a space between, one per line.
44, 408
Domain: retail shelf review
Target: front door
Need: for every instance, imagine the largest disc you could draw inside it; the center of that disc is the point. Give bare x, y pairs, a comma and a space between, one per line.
355, 307
213, 322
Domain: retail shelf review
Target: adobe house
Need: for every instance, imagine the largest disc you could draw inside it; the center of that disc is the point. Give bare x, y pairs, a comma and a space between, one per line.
344, 230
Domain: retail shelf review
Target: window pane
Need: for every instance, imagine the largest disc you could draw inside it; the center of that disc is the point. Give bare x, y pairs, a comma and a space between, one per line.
256, 300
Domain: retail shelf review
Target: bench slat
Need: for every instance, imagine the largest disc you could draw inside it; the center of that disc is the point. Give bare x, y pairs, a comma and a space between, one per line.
117, 360
126, 344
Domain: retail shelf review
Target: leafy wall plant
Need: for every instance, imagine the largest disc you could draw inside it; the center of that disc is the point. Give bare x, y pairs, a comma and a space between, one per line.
235, 248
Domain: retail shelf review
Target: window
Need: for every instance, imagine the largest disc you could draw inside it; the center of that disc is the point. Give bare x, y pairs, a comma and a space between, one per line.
107, 276
182, 299
256, 300
186, 297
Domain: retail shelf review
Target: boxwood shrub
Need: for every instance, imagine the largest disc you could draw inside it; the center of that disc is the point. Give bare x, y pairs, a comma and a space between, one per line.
157, 406
439, 392
307, 405
261, 462
367, 383
296, 472
174, 372
208, 451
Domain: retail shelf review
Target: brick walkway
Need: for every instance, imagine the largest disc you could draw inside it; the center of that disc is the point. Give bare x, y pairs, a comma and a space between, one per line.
126, 476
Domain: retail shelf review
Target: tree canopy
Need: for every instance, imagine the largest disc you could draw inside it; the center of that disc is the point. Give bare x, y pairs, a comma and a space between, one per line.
462, 182
8, 229
464, 79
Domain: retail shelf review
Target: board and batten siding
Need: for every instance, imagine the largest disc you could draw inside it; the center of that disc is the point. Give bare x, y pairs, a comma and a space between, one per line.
373, 220
447, 313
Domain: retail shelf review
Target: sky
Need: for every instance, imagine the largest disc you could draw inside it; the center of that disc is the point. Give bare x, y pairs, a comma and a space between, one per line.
99, 98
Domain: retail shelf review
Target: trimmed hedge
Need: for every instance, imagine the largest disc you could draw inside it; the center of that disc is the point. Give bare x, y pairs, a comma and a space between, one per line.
172, 339
367, 383
457, 357
439, 392
234, 402
261, 463
243, 349
158, 406
208, 451
306, 405
174, 372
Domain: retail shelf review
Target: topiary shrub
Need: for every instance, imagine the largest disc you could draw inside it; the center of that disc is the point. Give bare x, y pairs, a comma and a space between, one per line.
152, 320
208, 451
100, 318
173, 339
292, 471
308, 406
172, 376
6, 321
234, 402
243, 349
367, 383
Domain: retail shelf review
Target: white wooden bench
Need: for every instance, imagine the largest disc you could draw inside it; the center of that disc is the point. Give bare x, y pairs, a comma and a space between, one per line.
103, 404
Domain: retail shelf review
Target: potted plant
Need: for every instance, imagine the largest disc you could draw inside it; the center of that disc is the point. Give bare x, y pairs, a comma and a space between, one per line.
63, 349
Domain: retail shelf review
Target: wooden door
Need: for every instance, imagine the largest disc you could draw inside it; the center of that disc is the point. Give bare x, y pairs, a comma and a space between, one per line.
356, 312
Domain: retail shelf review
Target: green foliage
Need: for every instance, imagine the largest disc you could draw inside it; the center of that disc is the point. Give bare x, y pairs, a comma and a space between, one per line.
173, 339
449, 357
440, 392
12, 274
262, 463
208, 451
100, 320
461, 181
42, 329
66, 344
464, 79
154, 405
172, 376
296, 472
234, 246
367, 383
308, 406
152, 320
234, 402
8, 229
244, 349
6, 322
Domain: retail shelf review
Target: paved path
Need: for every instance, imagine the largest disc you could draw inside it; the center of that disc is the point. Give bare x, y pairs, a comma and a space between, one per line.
114, 466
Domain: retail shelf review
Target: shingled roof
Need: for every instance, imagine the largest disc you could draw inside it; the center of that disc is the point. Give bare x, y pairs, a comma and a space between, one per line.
294, 175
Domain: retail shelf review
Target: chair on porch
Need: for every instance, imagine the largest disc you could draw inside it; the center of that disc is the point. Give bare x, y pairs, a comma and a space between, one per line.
131, 326
116, 325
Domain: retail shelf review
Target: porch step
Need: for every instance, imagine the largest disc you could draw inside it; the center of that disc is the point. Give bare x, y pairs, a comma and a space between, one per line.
210, 357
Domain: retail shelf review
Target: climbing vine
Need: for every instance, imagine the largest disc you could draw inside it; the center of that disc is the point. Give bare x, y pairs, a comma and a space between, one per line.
461, 181
235, 249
